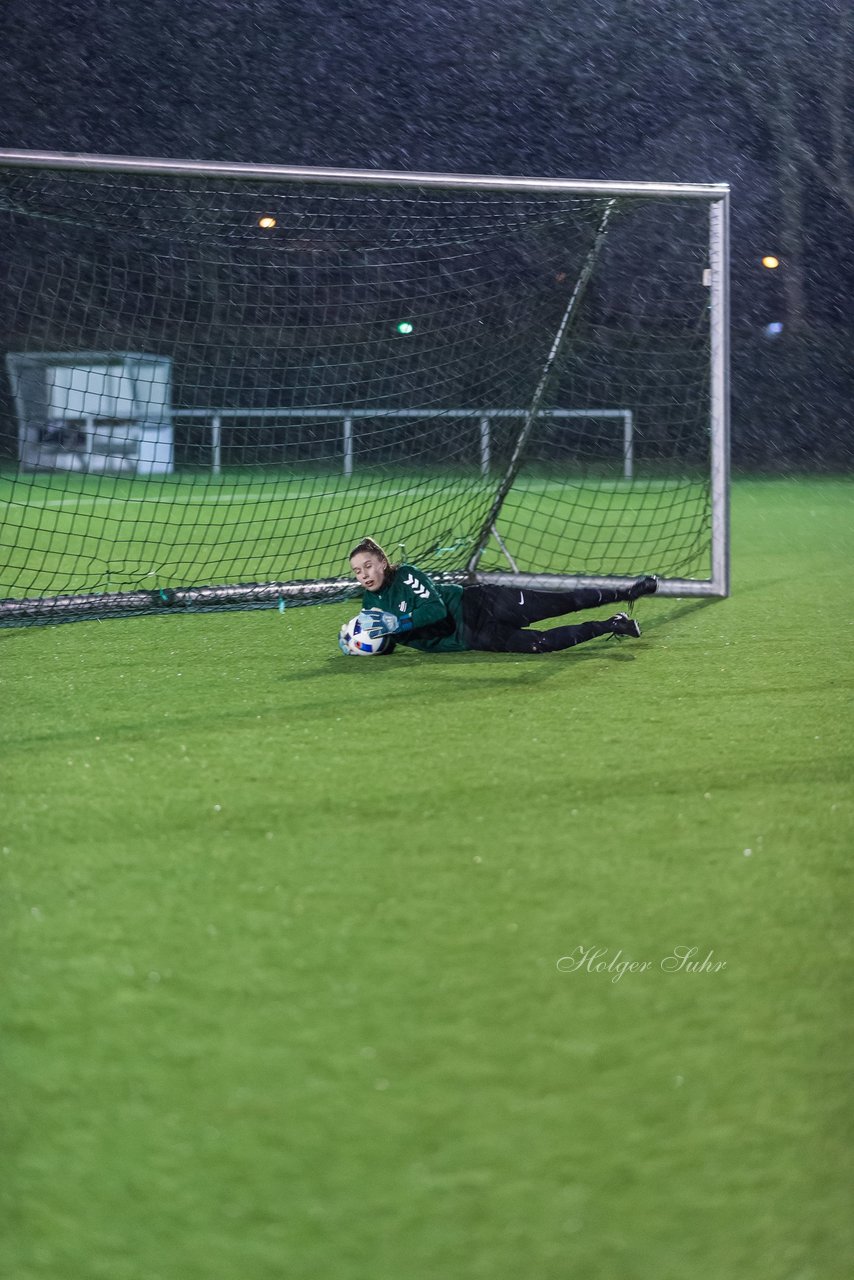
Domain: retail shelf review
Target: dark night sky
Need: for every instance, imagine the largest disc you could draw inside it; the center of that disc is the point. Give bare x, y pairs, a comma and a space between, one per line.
599, 88
742, 91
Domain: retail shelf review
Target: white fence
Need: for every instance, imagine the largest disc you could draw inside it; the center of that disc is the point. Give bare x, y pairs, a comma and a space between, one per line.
347, 417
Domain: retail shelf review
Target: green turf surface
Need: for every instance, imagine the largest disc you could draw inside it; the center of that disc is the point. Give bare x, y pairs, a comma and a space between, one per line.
282, 935
75, 533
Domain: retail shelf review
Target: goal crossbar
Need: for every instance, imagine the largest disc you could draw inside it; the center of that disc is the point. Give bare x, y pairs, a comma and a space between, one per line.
360, 177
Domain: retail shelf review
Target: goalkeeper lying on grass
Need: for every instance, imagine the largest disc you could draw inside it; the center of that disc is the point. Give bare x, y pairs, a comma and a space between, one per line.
403, 603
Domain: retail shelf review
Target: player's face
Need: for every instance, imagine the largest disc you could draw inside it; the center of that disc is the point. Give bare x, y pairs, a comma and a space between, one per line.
369, 569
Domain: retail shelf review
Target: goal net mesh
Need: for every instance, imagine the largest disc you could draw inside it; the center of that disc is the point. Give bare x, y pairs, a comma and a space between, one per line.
215, 387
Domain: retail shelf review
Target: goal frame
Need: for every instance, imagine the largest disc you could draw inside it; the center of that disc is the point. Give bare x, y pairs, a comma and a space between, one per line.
715, 195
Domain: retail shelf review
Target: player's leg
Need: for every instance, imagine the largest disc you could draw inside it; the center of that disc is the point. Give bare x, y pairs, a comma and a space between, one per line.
519, 607
558, 638
495, 638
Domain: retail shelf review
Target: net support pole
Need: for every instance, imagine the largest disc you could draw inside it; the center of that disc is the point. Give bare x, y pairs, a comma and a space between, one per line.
557, 346
348, 446
216, 444
628, 445
484, 448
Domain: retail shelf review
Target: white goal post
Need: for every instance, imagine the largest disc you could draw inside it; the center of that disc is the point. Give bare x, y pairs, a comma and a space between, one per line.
537, 301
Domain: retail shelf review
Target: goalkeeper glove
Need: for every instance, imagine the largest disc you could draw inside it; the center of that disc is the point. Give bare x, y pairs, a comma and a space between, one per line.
379, 623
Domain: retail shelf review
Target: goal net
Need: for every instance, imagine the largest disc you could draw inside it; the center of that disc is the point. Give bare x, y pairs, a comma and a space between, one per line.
221, 377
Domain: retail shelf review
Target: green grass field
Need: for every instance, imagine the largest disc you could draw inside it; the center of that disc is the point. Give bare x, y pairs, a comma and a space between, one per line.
283, 934
76, 533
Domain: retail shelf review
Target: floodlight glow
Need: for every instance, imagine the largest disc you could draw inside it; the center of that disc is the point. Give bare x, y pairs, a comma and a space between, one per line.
404, 327
770, 262
266, 222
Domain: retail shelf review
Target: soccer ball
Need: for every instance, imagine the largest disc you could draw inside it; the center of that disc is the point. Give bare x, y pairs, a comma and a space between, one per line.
357, 642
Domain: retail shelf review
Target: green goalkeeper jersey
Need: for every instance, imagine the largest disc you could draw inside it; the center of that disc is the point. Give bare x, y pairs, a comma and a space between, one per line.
436, 609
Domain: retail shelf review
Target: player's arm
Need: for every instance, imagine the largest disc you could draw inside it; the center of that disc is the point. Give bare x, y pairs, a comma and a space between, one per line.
424, 606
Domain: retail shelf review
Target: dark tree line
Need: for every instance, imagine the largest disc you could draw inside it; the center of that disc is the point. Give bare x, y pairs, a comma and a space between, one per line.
755, 92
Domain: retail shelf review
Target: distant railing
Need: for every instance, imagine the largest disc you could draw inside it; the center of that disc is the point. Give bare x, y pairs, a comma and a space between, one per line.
216, 417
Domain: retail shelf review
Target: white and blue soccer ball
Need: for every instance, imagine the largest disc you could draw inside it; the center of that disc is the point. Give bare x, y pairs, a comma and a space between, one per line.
355, 641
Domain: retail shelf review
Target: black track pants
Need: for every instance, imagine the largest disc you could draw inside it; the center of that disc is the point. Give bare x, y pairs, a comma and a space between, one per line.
494, 617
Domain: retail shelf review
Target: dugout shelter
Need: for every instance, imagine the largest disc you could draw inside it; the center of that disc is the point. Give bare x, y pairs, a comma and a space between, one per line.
93, 411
